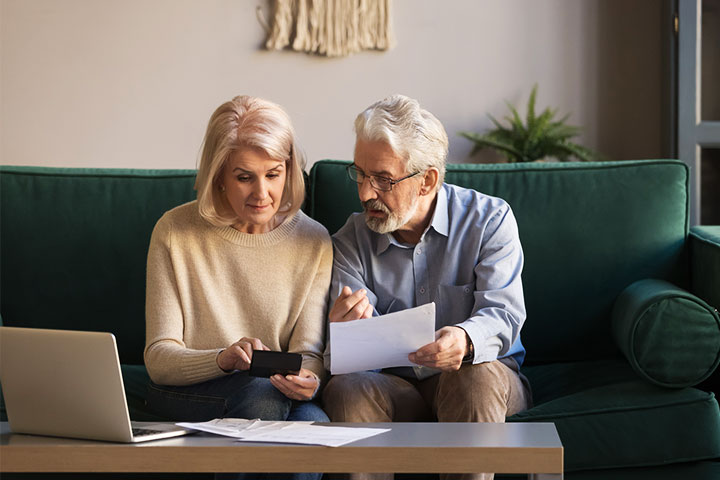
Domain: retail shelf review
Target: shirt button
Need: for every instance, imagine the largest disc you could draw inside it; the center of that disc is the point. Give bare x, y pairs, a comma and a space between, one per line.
418, 251
467, 289
422, 289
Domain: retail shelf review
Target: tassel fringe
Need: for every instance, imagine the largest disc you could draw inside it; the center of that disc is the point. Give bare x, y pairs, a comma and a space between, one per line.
334, 28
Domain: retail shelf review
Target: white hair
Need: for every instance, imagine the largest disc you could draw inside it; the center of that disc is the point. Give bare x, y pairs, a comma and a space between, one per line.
410, 131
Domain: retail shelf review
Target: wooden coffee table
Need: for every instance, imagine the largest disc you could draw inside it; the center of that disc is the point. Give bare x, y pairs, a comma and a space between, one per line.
532, 448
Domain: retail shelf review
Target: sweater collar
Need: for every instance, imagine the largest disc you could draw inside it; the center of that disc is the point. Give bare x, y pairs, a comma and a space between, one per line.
277, 235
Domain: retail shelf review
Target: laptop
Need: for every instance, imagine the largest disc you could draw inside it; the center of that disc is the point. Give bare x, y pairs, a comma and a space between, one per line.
65, 383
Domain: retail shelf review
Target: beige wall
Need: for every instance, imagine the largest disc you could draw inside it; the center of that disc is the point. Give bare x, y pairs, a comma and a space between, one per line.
131, 83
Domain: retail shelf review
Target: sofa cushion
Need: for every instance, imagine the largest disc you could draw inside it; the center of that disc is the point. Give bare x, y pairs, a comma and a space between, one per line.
629, 423
670, 336
557, 380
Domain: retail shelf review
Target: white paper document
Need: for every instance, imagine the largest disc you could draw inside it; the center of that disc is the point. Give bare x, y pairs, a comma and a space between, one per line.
380, 342
284, 432
234, 427
313, 434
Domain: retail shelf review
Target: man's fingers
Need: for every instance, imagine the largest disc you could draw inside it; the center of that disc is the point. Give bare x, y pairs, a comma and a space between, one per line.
445, 334
446, 343
445, 353
442, 352
429, 349
450, 340
358, 309
431, 357
443, 363
345, 294
349, 305
352, 300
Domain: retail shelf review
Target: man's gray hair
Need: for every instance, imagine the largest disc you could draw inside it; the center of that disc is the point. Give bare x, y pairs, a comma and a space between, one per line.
410, 131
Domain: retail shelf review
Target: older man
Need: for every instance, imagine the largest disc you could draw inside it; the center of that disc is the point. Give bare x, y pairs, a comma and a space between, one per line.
421, 240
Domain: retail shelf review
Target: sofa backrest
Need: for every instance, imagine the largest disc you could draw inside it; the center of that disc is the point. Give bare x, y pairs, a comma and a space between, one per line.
73, 242
588, 231
73, 247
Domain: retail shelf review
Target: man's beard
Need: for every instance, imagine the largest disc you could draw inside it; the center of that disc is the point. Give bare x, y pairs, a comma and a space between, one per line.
393, 221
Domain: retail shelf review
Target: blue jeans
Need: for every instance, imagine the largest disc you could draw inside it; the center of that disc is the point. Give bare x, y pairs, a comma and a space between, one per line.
234, 396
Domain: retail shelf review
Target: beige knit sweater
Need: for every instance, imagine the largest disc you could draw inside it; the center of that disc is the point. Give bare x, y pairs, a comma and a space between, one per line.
207, 287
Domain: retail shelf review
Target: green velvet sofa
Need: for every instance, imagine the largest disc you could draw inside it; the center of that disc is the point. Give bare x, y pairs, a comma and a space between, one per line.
622, 334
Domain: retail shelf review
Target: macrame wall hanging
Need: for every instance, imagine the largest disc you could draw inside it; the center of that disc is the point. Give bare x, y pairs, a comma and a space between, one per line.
333, 28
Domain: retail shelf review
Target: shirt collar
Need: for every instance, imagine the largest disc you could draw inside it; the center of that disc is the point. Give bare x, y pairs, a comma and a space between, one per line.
439, 223
383, 242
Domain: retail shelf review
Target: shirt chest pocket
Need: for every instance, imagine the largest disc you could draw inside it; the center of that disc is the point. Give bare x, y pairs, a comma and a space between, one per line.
454, 304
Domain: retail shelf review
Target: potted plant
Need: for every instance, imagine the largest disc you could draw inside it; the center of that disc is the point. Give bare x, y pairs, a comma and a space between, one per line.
540, 137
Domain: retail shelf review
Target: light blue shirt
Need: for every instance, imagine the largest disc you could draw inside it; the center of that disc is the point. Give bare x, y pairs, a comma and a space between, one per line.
468, 262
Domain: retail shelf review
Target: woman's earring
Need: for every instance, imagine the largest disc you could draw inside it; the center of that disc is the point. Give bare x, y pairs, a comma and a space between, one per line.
222, 188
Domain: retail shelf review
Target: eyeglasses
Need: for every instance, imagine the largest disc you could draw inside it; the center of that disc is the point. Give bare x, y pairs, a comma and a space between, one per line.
383, 184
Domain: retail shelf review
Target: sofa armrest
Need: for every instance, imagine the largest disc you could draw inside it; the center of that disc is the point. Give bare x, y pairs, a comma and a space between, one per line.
704, 243
670, 336
705, 263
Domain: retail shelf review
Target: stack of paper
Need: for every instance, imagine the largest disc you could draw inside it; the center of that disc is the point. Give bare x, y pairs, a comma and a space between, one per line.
284, 432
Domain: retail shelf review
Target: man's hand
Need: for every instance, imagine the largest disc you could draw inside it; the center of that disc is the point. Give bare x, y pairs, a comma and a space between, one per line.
296, 387
446, 352
239, 355
351, 306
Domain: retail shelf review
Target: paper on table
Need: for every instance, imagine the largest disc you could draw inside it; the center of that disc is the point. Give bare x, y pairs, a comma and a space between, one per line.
380, 342
236, 427
283, 432
312, 434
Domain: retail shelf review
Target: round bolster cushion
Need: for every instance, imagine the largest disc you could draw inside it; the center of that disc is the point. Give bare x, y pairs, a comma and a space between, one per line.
669, 336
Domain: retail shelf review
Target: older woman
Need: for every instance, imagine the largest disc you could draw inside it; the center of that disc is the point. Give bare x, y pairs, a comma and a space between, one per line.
242, 268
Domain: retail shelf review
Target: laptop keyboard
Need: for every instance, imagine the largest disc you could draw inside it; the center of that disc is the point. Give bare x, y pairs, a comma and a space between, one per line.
140, 432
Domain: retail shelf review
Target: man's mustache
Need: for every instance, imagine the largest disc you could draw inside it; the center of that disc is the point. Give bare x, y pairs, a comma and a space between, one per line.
376, 204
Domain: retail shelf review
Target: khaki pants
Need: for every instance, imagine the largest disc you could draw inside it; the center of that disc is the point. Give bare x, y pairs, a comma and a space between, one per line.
485, 392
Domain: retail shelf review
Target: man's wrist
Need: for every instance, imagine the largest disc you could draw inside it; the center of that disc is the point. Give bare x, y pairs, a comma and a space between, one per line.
470, 349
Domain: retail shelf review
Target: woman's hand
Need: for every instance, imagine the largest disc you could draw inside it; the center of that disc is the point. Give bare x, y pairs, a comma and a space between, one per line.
239, 355
296, 387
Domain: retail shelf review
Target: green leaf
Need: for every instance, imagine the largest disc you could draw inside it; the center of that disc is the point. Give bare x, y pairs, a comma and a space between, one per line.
485, 142
531, 109
573, 149
497, 124
515, 122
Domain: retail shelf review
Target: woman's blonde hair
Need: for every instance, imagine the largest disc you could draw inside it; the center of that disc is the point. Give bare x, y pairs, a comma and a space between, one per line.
247, 122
